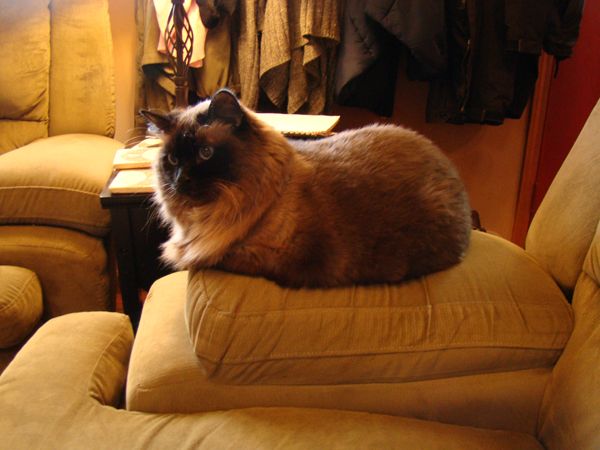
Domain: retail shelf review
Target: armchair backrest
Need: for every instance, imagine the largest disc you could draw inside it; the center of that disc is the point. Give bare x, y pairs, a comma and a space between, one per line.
565, 238
56, 70
563, 227
570, 413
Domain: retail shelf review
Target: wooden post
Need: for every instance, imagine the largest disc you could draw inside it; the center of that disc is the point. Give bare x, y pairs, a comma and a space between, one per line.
537, 119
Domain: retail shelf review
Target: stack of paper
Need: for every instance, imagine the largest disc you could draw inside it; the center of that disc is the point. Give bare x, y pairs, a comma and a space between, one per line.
139, 156
133, 166
132, 181
301, 124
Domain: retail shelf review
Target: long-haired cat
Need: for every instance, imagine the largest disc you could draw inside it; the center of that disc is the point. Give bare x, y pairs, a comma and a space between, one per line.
380, 204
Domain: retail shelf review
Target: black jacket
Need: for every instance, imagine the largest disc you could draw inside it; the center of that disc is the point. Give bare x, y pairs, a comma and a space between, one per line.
372, 32
493, 52
481, 55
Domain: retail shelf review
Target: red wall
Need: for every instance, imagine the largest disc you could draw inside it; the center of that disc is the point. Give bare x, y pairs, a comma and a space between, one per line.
573, 94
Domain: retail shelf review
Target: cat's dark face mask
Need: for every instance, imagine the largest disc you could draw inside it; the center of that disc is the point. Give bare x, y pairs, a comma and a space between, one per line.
200, 147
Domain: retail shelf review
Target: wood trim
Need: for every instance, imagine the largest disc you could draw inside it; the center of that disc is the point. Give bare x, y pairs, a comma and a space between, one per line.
531, 157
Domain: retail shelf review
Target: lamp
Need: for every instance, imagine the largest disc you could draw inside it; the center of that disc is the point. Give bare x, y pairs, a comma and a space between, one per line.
179, 38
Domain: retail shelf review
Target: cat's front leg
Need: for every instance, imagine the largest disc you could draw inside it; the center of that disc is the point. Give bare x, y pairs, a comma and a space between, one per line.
173, 253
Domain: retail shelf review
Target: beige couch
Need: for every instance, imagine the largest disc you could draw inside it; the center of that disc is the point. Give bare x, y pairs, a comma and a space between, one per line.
57, 116
486, 355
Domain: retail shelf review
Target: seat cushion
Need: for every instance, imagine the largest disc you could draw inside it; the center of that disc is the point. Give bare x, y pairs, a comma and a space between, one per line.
78, 363
57, 181
72, 267
496, 311
166, 376
20, 304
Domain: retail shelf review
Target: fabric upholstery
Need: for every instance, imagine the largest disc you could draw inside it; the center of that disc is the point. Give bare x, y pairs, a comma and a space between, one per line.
17, 133
165, 376
570, 413
495, 311
74, 411
57, 181
71, 266
20, 304
55, 82
82, 98
571, 408
564, 225
24, 72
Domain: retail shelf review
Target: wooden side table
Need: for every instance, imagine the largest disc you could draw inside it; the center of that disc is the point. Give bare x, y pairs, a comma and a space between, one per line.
137, 235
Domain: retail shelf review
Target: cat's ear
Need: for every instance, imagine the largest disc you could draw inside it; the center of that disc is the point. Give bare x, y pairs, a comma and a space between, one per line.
162, 120
225, 107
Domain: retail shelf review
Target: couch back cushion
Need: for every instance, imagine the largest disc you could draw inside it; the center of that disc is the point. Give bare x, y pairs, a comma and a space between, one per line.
24, 72
564, 225
82, 98
56, 75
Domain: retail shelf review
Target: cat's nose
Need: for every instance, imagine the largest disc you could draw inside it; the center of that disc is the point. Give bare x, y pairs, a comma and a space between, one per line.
180, 180
177, 175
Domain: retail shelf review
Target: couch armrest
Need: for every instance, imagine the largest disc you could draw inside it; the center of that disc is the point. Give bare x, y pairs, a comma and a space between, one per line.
76, 355
56, 392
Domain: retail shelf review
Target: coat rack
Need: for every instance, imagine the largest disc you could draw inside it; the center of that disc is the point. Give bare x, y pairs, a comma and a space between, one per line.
179, 39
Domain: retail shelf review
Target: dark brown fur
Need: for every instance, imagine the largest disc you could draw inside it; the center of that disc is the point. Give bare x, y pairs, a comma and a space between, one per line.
373, 205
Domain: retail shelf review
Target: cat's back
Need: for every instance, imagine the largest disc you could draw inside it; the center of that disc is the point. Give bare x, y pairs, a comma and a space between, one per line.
374, 150
393, 195
378, 158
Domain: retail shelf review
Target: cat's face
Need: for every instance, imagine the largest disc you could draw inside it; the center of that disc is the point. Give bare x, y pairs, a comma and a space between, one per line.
205, 148
218, 154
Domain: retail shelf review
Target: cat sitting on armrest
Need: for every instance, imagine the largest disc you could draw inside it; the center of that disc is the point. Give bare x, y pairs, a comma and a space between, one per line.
380, 204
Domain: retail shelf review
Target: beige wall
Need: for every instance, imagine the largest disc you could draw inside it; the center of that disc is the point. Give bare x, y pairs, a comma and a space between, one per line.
488, 158
122, 18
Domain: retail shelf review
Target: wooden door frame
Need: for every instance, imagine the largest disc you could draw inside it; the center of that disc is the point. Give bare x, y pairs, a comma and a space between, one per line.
531, 157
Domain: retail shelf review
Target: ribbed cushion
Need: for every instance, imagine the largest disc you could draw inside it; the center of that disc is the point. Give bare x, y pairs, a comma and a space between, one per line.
165, 376
57, 181
59, 390
20, 304
24, 71
496, 311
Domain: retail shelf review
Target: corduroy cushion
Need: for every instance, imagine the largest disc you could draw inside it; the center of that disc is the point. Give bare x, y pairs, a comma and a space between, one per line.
59, 392
165, 376
496, 311
57, 181
20, 304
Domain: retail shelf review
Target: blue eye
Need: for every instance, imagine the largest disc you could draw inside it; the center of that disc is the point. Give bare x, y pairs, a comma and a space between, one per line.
206, 153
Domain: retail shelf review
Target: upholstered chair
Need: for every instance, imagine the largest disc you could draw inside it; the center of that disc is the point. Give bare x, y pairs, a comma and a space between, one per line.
57, 119
498, 352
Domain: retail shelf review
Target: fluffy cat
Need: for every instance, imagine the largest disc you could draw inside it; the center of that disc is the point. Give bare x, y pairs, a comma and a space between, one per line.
380, 204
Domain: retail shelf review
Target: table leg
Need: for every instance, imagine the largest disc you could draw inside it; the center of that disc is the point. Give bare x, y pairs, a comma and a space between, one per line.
122, 233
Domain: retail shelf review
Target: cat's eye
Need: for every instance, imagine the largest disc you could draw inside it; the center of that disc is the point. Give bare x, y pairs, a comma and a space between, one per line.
172, 159
206, 153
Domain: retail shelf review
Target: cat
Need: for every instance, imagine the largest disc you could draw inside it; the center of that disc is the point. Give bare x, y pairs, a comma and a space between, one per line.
380, 204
